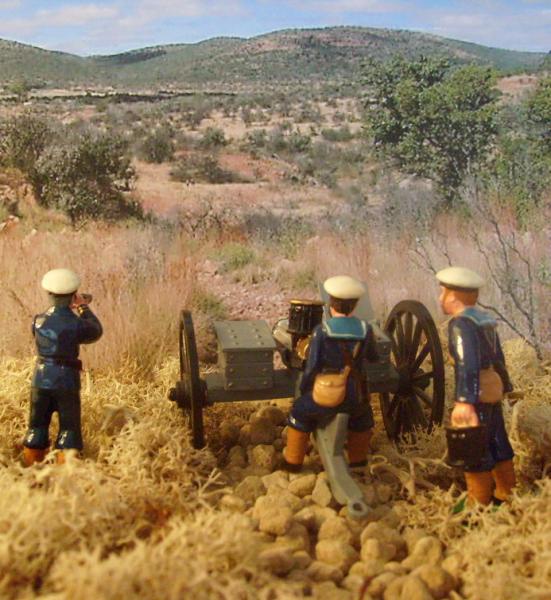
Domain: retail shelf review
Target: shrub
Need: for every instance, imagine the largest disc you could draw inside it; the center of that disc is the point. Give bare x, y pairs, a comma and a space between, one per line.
213, 137
342, 134
209, 304
22, 140
157, 147
87, 178
234, 256
203, 168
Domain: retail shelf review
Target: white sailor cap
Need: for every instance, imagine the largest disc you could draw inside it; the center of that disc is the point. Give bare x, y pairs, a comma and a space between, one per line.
61, 282
460, 278
344, 287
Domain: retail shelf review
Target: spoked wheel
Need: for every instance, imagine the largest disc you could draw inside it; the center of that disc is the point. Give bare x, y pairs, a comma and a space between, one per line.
417, 356
192, 392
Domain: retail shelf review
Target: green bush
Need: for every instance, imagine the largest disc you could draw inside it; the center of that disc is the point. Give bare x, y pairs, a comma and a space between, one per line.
22, 141
157, 147
209, 304
342, 134
213, 137
86, 178
234, 256
203, 168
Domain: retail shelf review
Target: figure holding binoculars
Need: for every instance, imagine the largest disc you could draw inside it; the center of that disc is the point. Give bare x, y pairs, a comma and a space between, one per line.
481, 380
58, 332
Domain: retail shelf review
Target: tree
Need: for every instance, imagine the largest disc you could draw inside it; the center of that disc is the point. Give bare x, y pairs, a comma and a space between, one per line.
539, 113
433, 121
86, 178
22, 141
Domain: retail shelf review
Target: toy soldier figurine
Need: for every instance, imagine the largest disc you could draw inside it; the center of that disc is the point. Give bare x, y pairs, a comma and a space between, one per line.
56, 380
340, 345
481, 380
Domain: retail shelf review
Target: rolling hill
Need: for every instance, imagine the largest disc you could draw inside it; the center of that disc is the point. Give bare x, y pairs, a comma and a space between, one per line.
293, 57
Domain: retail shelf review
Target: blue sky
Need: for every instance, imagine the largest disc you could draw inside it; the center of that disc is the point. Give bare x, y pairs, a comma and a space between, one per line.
106, 26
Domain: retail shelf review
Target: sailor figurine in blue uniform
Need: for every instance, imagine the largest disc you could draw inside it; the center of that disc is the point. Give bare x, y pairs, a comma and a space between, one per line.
342, 342
481, 380
58, 332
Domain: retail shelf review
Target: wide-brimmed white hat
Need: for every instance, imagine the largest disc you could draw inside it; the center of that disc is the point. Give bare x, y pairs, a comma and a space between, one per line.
460, 278
344, 287
61, 282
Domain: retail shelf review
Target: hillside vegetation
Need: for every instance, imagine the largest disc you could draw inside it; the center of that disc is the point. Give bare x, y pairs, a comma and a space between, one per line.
291, 56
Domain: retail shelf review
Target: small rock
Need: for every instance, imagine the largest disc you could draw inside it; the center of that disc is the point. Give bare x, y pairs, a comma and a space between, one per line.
412, 535
303, 486
320, 571
263, 456
337, 553
245, 435
237, 457
353, 583
373, 549
439, 582
391, 519
261, 431
313, 516
233, 503
229, 433
329, 591
276, 481
393, 590
321, 493
454, 564
296, 537
274, 414
278, 561
396, 567
427, 551
379, 584
386, 536
276, 520
368, 569
414, 589
250, 489
335, 528
302, 559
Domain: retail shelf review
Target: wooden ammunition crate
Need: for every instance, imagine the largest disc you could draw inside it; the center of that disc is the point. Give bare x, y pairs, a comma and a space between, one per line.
245, 354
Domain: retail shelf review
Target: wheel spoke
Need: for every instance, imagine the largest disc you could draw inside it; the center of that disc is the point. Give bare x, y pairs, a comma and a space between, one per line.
415, 341
420, 417
423, 396
422, 376
395, 349
420, 358
400, 336
407, 335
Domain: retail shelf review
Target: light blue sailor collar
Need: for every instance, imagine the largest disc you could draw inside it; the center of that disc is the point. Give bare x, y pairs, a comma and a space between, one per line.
478, 317
349, 328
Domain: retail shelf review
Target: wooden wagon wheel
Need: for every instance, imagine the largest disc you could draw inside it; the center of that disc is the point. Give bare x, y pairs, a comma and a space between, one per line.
192, 388
417, 355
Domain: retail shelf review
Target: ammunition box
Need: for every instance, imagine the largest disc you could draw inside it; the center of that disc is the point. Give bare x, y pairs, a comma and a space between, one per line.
245, 354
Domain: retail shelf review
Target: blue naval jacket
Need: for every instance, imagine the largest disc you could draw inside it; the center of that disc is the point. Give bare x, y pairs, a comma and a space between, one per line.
325, 354
474, 345
58, 332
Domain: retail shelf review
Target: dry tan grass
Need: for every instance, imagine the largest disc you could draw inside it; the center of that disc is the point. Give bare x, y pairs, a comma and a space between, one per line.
140, 278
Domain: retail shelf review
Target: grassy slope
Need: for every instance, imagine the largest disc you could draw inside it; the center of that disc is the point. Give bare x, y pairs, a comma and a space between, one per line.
284, 56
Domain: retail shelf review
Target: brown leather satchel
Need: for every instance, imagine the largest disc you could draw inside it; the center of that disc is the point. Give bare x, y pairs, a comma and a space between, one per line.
330, 388
491, 386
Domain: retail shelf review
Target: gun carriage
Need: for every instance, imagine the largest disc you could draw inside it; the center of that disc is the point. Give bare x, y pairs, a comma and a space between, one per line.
408, 377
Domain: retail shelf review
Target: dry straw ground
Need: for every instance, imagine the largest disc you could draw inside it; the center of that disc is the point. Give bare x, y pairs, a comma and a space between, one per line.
143, 515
